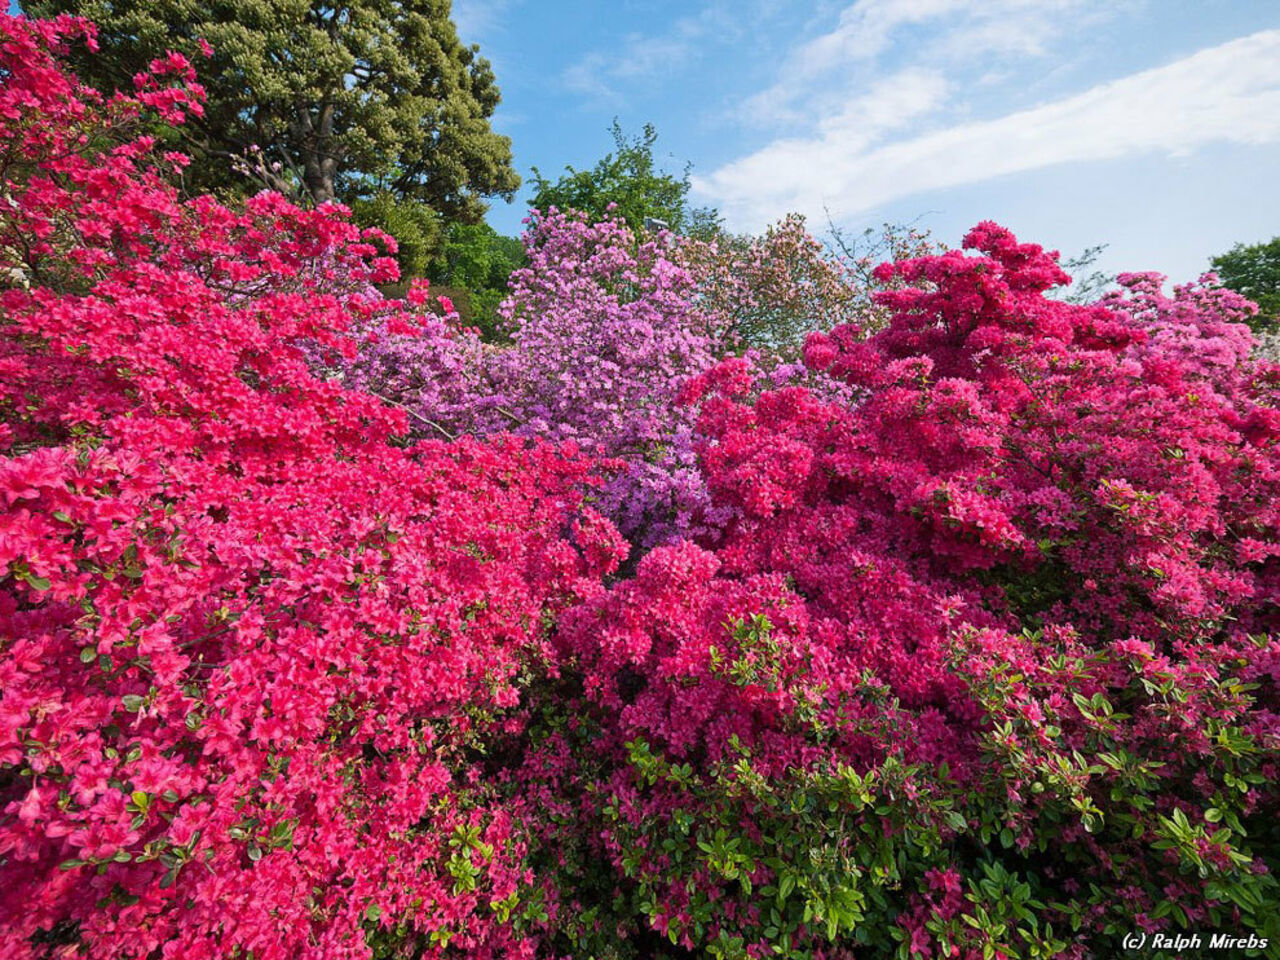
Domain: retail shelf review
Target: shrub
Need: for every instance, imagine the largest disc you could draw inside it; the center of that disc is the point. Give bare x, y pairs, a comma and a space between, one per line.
604, 331
250, 644
773, 290
985, 660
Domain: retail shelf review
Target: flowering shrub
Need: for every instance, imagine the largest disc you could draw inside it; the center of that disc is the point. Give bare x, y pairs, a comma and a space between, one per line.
1203, 325
959, 642
773, 290
604, 330
604, 333
985, 660
436, 371
249, 646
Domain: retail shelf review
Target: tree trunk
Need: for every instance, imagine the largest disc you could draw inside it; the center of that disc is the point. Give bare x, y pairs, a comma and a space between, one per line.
318, 174
320, 160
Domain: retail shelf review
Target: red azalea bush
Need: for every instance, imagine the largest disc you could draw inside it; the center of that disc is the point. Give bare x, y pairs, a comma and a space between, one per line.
986, 659
250, 642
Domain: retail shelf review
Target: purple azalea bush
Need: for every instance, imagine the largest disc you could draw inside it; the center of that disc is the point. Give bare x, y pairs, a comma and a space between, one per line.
604, 330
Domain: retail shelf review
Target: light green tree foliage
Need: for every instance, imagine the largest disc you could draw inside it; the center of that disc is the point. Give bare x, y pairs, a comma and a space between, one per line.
630, 179
1254, 271
355, 100
418, 229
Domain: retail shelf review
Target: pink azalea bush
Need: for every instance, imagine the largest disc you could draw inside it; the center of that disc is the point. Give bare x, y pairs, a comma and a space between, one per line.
604, 332
249, 645
985, 664
774, 289
957, 641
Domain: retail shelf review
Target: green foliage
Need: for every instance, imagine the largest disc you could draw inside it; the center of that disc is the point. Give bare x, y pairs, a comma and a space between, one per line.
317, 99
476, 256
1253, 271
832, 846
861, 857
629, 179
1114, 786
474, 261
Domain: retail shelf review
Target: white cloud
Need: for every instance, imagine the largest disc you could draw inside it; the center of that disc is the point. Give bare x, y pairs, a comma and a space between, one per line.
598, 76
1228, 93
891, 104
590, 78
475, 17
951, 33
866, 26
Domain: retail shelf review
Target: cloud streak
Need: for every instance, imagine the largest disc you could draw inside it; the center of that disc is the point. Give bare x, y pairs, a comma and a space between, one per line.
646, 59
475, 17
947, 33
1228, 93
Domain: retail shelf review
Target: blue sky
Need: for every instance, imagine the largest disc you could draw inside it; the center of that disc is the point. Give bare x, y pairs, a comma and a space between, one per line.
1149, 125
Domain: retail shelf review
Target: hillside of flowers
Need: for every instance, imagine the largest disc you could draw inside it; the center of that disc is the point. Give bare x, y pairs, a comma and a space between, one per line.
733, 606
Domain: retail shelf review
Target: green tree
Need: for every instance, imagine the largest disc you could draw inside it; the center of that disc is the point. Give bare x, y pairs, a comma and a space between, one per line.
476, 256
629, 178
1254, 271
346, 99
472, 265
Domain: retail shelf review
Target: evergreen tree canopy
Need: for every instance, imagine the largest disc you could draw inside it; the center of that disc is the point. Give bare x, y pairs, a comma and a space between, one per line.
320, 99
